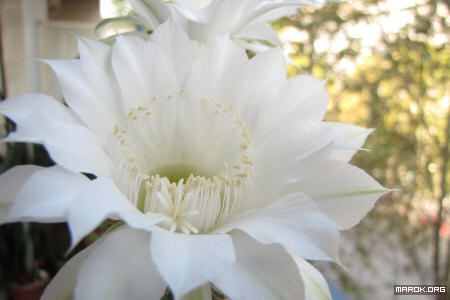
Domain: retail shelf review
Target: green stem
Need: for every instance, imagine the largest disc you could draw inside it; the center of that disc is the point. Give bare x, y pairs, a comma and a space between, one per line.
201, 293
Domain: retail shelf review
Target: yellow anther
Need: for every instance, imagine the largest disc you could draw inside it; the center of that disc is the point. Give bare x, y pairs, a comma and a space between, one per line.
135, 170
116, 129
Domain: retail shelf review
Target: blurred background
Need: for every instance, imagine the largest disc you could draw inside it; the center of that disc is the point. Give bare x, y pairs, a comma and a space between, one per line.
387, 63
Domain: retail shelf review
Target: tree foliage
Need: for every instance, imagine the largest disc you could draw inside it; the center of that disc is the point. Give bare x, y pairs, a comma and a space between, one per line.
387, 66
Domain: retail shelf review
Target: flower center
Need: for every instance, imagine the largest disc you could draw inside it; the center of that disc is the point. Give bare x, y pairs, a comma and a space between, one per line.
187, 159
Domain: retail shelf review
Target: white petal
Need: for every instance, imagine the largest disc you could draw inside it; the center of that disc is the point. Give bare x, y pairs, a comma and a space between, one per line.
120, 268
234, 16
288, 156
69, 144
222, 66
316, 286
348, 139
260, 272
62, 285
262, 31
298, 152
130, 71
18, 107
264, 68
219, 17
235, 80
174, 52
155, 12
95, 60
45, 195
268, 11
294, 222
299, 101
10, 184
94, 56
190, 9
99, 200
84, 84
344, 192
166, 58
42, 119
188, 261
276, 14
306, 99
287, 7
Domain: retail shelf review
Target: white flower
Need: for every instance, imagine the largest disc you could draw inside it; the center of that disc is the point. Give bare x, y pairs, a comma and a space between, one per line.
247, 22
216, 163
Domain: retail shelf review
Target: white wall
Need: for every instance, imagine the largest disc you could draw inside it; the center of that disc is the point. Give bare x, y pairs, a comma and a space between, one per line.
27, 35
